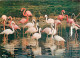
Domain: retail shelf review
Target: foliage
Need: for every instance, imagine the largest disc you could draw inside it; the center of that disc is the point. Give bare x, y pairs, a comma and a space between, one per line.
12, 8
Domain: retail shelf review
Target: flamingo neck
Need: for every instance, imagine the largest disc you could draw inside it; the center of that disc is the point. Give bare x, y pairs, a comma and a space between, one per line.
39, 31
24, 12
27, 19
12, 27
55, 26
37, 27
46, 19
71, 31
62, 13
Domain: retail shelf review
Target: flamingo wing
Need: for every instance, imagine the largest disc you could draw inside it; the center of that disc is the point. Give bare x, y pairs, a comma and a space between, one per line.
7, 31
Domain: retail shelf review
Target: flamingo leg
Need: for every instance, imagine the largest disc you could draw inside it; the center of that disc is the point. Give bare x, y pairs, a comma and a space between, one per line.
17, 34
76, 36
23, 30
37, 42
61, 30
58, 44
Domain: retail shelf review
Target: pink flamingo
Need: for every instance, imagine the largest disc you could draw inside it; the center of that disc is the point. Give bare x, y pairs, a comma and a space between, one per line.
14, 26
57, 22
26, 13
60, 17
37, 36
69, 20
48, 30
23, 20
4, 17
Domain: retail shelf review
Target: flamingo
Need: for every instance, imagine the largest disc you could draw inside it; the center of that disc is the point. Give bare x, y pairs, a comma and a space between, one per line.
57, 22
4, 17
50, 20
26, 13
76, 27
58, 38
14, 26
37, 36
8, 31
60, 17
51, 44
32, 29
70, 21
48, 30
23, 20
30, 24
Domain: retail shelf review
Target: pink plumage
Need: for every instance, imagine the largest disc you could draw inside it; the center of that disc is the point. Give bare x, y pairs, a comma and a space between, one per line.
60, 17
70, 21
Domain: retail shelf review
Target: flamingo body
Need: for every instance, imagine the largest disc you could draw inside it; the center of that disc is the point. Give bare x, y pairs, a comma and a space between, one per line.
7, 31
36, 35
50, 20
23, 20
60, 17
58, 38
47, 30
31, 30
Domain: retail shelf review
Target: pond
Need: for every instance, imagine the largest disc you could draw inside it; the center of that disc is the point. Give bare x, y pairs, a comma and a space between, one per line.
17, 46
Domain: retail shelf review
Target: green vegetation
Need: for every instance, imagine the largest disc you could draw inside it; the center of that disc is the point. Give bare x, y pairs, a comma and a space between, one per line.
39, 7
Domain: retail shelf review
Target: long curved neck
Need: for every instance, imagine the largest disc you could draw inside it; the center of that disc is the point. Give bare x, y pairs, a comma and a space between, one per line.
39, 30
12, 27
55, 26
24, 12
46, 18
36, 27
71, 31
27, 19
67, 18
62, 13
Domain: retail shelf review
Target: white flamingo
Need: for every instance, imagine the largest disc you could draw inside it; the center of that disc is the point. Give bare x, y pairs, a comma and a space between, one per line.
8, 31
76, 27
37, 36
58, 38
50, 20
30, 24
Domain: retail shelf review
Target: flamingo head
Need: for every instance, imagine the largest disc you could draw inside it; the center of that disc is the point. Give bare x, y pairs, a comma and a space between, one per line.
22, 9
4, 17
63, 11
45, 15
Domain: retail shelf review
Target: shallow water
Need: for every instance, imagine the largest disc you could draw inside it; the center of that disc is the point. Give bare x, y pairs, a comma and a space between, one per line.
69, 50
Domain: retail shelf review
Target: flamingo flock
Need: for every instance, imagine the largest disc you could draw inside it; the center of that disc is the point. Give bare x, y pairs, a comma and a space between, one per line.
34, 28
